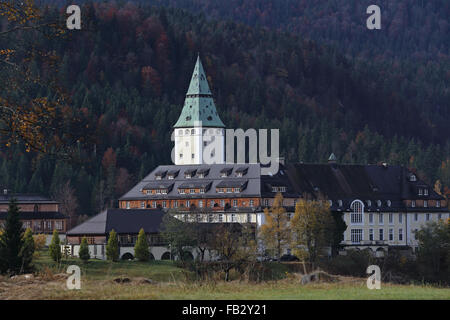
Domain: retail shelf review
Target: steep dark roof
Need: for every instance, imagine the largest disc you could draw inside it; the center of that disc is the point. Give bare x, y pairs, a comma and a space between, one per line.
128, 221
25, 198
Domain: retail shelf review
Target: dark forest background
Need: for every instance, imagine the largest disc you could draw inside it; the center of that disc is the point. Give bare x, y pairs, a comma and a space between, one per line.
309, 68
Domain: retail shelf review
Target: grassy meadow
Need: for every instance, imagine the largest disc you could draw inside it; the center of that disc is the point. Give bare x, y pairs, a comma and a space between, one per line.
172, 282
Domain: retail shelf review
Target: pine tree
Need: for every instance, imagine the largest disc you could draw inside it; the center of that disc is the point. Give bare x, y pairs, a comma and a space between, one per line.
112, 248
11, 241
27, 251
84, 250
55, 248
141, 249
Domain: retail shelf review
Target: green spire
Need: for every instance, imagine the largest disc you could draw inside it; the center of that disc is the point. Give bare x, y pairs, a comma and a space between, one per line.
199, 108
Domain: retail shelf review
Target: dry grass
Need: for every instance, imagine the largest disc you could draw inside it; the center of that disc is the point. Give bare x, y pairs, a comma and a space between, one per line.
345, 288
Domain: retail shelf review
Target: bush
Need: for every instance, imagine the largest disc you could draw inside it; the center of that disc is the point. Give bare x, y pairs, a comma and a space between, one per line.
55, 247
112, 248
141, 249
354, 263
84, 250
27, 251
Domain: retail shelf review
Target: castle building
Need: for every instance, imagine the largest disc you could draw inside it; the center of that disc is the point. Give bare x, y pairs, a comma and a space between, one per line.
382, 205
199, 124
36, 212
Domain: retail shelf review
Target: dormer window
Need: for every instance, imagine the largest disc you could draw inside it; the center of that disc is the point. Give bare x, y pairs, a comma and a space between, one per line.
237, 190
340, 203
388, 203
412, 178
420, 191
378, 203
369, 203
225, 172
425, 192
240, 172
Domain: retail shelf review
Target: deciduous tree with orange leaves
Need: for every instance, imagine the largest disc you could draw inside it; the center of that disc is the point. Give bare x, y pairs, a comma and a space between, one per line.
34, 109
276, 233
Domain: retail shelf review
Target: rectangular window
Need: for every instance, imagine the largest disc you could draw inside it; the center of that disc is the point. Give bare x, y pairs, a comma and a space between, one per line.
425, 203
233, 217
391, 218
193, 156
380, 218
188, 203
370, 218
210, 217
266, 202
400, 218
220, 217
356, 218
356, 235
425, 192
438, 204
154, 204
128, 204
391, 234
381, 234
58, 225
229, 190
212, 203
252, 203
235, 203
413, 203
222, 203
49, 225
428, 217
175, 204
420, 191
249, 217
440, 216
371, 234
400, 234
416, 217
142, 205
164, 204
415, 233
200, 203
192, 191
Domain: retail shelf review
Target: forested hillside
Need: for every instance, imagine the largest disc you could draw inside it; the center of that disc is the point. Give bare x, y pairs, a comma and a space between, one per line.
129, 69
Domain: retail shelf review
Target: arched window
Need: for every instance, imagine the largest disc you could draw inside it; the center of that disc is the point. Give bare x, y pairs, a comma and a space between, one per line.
192, 131
388, 203
378, 203
356, 216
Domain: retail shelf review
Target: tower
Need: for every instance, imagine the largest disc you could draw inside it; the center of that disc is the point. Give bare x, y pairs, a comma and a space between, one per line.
199, 132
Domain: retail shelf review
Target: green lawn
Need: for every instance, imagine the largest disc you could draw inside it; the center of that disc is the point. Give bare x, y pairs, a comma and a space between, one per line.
105, 270
172, 283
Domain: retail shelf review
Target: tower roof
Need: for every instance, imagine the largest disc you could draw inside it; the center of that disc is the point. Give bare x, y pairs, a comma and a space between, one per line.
199, 108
